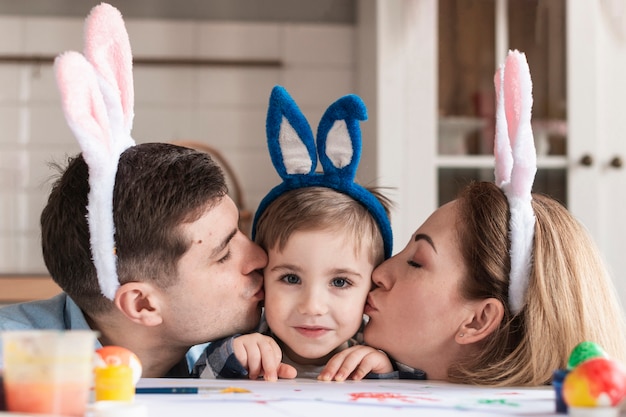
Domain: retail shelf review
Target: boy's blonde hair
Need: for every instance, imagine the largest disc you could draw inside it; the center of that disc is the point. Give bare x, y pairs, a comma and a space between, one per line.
570, 297
320, 208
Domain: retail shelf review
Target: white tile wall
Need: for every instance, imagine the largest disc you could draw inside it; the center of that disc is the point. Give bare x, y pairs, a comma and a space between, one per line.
223, 106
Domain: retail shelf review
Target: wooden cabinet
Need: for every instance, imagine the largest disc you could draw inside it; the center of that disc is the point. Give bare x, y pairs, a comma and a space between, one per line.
473, 38
427, 71
20, 288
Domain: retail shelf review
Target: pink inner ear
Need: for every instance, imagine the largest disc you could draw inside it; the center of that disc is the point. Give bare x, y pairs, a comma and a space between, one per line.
512, 96
108, 48
82, 101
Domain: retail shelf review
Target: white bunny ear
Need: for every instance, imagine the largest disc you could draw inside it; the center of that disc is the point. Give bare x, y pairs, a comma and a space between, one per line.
107, 47
289, 137
518, 109
87, 117
516, 166
502, 145
98, 98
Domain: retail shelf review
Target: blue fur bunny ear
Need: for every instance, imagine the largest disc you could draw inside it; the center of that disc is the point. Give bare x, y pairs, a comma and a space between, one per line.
339, 138
293, 152
289, 137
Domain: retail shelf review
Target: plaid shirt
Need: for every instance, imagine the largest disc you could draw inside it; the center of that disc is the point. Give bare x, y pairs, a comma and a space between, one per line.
220, 361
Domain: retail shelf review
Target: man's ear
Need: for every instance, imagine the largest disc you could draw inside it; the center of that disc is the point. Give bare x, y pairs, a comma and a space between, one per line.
486, 315
140, 303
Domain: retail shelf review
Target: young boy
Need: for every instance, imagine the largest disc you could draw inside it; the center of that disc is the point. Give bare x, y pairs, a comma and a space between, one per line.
324, 234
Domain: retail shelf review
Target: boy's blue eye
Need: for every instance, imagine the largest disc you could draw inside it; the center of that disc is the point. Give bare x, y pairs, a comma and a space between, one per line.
291, 279
340, 282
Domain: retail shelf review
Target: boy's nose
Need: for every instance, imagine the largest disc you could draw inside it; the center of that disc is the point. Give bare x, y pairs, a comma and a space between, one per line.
313, 302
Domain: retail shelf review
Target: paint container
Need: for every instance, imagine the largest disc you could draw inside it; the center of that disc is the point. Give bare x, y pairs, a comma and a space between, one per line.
557, 382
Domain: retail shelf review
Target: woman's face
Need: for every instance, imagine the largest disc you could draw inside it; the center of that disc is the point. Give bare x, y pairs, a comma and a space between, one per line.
417, 311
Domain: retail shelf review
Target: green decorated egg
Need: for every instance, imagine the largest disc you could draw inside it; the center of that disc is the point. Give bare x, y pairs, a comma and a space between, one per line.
584, 351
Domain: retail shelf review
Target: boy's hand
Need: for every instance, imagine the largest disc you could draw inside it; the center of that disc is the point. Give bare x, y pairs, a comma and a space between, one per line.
261, 355
355, 363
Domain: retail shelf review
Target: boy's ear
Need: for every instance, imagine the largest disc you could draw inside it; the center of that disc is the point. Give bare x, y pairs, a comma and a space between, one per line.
485, 317
140, 303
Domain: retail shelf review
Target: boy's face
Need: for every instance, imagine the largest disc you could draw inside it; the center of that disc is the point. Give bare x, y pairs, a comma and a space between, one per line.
315, 290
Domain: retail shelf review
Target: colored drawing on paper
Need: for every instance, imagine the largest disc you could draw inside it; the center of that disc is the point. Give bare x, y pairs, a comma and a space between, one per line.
385, 396
498, 402
310, 397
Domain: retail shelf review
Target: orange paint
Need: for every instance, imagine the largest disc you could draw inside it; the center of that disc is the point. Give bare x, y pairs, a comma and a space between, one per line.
236, 390
62, 398
384, 396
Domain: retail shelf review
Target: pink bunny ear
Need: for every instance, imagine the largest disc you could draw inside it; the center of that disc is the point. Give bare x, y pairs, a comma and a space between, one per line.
82, 103
502, 146
518, 107
98, 98
87, 117
516, 166
107, 47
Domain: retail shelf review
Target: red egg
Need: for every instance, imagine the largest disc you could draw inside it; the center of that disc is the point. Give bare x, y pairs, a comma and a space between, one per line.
595, 382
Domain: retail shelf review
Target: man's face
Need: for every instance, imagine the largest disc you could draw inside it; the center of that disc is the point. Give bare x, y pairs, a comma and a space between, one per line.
219, 287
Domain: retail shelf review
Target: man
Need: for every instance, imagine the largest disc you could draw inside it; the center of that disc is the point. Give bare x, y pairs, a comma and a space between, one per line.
187, 274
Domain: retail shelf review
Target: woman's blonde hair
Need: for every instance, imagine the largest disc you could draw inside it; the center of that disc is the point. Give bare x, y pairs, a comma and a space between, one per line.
320, 208
570, 297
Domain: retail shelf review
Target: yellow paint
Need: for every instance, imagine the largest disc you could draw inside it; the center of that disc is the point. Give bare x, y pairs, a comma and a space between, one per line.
234, 390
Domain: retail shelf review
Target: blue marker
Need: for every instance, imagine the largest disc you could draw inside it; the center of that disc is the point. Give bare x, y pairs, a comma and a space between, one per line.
167, 390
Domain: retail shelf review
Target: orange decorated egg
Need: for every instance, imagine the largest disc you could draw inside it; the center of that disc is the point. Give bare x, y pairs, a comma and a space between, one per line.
116, 373
119, 356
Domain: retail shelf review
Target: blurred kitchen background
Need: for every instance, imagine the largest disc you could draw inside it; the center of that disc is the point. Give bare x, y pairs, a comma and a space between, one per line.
204, 69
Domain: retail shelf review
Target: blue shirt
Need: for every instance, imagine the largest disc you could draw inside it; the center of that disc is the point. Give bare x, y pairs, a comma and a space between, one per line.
61, 313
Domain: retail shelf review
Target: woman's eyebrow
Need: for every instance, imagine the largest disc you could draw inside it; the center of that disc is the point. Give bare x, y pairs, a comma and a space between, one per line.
421, 236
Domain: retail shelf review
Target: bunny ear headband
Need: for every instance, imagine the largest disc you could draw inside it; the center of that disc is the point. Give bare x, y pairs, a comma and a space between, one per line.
294, 155
97, 97
516, 165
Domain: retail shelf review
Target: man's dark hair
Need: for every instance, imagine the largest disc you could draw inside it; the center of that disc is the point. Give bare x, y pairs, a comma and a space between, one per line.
158, 187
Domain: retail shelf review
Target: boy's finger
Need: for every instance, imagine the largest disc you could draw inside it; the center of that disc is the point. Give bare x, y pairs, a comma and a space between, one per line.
254, 361
332, 366
270, 360
286, 371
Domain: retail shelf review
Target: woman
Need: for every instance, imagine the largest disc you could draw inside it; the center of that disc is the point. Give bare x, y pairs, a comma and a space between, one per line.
497, 286
442, 305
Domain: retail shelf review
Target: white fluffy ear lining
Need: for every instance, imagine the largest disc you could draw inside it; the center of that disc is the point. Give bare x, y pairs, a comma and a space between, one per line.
97, 97
107, 47
87, 117
295, 154
516, 166
338, 145
502, 145
82, 103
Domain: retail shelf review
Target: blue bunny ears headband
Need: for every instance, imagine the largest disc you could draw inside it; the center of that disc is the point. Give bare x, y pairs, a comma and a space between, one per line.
294, 153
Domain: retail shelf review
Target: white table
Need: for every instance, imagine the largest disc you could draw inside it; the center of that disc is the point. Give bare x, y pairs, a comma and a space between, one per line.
304, 397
